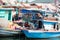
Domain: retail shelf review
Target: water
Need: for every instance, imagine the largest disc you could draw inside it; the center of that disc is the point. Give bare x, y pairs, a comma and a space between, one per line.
18, 38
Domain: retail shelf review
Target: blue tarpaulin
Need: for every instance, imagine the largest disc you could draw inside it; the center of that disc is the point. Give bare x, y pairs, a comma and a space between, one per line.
25, 11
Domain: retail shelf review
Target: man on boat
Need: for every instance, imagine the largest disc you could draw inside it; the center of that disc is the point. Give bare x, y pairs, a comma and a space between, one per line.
39, 18
28, 25
18, 19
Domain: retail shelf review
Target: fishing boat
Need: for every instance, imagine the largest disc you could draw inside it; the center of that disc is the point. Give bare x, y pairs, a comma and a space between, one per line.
41, 33
48, 31
5, 18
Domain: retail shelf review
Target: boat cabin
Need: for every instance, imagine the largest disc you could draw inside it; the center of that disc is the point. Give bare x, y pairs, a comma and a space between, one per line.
5, 16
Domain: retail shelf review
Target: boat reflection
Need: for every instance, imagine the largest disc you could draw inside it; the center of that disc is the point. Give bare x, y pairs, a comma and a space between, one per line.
19, 38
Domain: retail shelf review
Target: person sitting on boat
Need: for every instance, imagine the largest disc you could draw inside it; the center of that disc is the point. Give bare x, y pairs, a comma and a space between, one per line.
28, 26
56, 27
39, 17
14, 26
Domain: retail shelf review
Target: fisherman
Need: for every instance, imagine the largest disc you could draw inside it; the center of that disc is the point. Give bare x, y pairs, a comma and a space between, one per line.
39, 17
56, 27
18, 19
28, 25
58, 21
40, 25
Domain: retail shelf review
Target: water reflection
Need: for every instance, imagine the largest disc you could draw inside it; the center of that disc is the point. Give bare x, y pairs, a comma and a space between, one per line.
11, 38
54, 39
48, 39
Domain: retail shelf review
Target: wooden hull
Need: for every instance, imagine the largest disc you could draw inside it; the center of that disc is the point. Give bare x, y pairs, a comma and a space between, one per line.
40, 34
8, 33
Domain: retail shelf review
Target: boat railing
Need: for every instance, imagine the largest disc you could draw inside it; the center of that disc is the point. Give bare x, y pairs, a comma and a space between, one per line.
40, 31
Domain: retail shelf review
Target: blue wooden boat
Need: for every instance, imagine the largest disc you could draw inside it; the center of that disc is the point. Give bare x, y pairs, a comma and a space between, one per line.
42, 34
39, 33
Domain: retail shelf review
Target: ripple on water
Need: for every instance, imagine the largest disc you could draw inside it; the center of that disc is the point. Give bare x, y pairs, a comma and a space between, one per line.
14, 38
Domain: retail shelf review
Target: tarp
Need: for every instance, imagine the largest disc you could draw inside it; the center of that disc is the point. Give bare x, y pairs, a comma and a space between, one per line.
25, 11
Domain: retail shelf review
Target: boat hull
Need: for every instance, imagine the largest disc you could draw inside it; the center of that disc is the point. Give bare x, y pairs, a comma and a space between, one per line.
8, 33
40, 34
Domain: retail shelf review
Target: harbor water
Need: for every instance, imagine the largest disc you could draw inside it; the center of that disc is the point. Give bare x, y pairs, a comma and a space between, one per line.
19, 38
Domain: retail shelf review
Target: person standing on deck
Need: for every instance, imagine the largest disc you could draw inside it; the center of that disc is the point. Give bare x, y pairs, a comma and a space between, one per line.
58, 20
39, 17
18, 19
